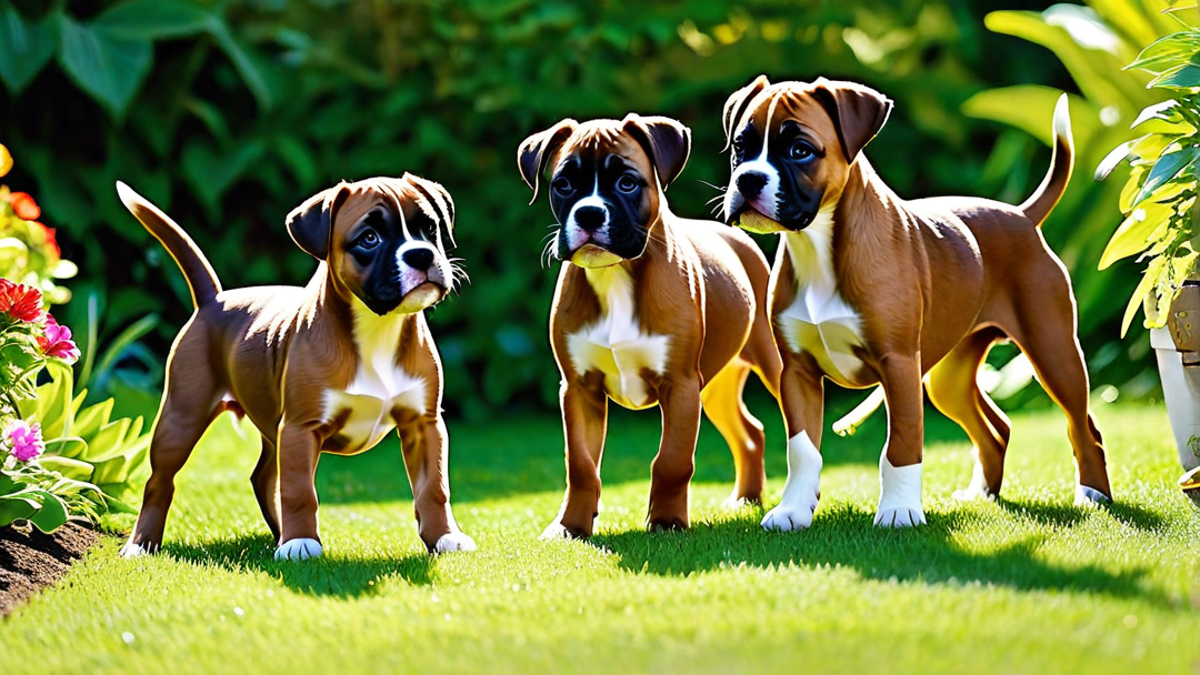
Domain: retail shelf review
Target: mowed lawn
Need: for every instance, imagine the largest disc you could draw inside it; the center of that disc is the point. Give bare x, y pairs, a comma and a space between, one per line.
1029, 584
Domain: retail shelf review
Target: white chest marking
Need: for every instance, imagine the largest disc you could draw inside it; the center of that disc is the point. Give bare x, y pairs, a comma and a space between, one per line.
820, 321
615, 344
379, 386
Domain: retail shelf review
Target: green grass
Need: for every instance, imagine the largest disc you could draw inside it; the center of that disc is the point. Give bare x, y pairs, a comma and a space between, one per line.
1027, 584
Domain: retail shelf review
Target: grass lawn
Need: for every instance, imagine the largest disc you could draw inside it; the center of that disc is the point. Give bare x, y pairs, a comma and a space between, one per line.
1028, 584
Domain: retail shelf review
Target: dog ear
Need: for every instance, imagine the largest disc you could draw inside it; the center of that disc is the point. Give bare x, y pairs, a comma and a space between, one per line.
440, 202
858, 112
736, 104
536, 150
311, 223
667, 141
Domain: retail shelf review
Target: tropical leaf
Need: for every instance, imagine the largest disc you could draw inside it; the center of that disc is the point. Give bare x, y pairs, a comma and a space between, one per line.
25, 47
154, 20
108, 67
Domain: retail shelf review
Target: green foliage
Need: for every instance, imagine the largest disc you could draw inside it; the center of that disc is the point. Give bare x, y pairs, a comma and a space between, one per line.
1162, 214
86, 444
247, 107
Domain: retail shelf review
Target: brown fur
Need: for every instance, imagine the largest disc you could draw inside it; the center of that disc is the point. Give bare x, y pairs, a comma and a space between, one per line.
702, 284
270, 353
936, 282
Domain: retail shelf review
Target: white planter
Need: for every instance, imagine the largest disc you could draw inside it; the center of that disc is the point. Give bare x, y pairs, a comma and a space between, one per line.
1181, 393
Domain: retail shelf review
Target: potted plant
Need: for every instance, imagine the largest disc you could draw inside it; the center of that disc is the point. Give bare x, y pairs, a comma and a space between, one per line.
1162, 226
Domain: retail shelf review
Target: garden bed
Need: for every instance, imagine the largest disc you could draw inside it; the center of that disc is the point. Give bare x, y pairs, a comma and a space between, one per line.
31, 560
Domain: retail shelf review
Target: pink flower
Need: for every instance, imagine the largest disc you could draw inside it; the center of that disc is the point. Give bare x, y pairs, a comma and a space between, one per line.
26, 440
23, 303
55, 341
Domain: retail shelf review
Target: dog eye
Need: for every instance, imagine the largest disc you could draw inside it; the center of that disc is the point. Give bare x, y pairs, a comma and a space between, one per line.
563, 187
801, 150
369, 239
627, 184
739, 144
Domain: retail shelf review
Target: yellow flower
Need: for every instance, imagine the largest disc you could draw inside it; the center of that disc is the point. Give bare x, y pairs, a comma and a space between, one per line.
5, 161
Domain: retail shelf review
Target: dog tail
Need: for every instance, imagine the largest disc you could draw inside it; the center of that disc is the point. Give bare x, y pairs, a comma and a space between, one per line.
201, 279
1043, 200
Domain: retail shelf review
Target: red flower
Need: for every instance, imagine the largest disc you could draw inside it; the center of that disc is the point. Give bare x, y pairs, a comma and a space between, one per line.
55, 341
23, 303
24, 206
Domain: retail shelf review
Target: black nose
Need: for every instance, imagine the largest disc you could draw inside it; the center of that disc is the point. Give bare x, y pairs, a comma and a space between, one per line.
418, 258
590, 218
751, 183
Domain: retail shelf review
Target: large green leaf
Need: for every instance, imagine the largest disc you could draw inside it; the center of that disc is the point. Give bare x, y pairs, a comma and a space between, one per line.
70, 468
52, 515
15, 507
107, 67
154, 20
1183, 77
25, 47
1167, 52
67, 446
1166, 168
1133, 235
1030, 108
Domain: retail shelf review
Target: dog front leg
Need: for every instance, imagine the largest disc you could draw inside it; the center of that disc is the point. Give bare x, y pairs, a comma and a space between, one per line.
900, 463
298, 451
802, 396
426, 451
585, 416
671, 473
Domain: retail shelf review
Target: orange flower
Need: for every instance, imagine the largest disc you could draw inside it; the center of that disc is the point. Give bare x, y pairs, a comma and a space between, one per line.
51, 240
24, 206
5, 161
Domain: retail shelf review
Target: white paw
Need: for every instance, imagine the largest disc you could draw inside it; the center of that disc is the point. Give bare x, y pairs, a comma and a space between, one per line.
977, 489
791, 515
1086, 496
899, 495
454, 541
734, 502
900, 517
299, 549
132, 550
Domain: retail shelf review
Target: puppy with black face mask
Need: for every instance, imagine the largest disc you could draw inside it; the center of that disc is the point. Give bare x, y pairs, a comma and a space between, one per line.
331, 367
649, 309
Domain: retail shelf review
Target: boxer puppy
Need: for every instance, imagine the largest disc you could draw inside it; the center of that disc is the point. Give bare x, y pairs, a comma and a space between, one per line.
870, 288
331, 367
649, 309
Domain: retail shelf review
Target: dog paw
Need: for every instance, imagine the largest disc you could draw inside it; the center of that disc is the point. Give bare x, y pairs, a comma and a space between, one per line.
900, 517
557, 530
977, 489
299, 549
733, 502
132, 550
454, 541
791, 515
1086, 496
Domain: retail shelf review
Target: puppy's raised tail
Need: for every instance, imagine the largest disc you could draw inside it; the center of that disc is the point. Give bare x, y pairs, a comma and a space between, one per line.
201, 279
1043, 200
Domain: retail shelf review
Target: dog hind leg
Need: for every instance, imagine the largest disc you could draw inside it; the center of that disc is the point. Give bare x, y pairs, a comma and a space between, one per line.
1047, 337
265, 480
722, 402
190, 402
953, 388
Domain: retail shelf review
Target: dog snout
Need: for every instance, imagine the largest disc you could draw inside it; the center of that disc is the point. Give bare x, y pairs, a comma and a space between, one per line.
590, 218
418, 258
751, 183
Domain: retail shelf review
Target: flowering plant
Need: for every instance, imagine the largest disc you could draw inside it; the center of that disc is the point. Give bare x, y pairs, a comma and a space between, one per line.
29, 252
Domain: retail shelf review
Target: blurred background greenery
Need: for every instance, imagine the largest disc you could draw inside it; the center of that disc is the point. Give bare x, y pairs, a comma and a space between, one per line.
228, 113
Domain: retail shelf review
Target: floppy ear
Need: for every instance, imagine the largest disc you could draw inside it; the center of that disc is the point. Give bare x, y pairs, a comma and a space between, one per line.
443, 205
310, 223
667, 142
536, 150
858, 112
736, 104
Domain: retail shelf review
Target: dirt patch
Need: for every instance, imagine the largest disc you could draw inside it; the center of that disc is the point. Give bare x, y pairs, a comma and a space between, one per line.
30, 560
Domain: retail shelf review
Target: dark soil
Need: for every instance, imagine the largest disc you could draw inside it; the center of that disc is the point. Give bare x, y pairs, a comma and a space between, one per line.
30, 560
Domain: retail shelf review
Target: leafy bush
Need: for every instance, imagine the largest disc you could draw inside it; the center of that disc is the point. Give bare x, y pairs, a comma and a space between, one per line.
1162, 220
230, 113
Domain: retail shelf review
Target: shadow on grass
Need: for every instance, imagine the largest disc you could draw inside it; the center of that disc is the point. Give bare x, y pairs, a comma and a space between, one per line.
329, 575
1059, 514
844, 536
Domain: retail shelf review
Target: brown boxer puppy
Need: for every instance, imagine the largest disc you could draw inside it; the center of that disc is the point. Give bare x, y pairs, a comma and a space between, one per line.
331, 367
649, 309
870, 288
